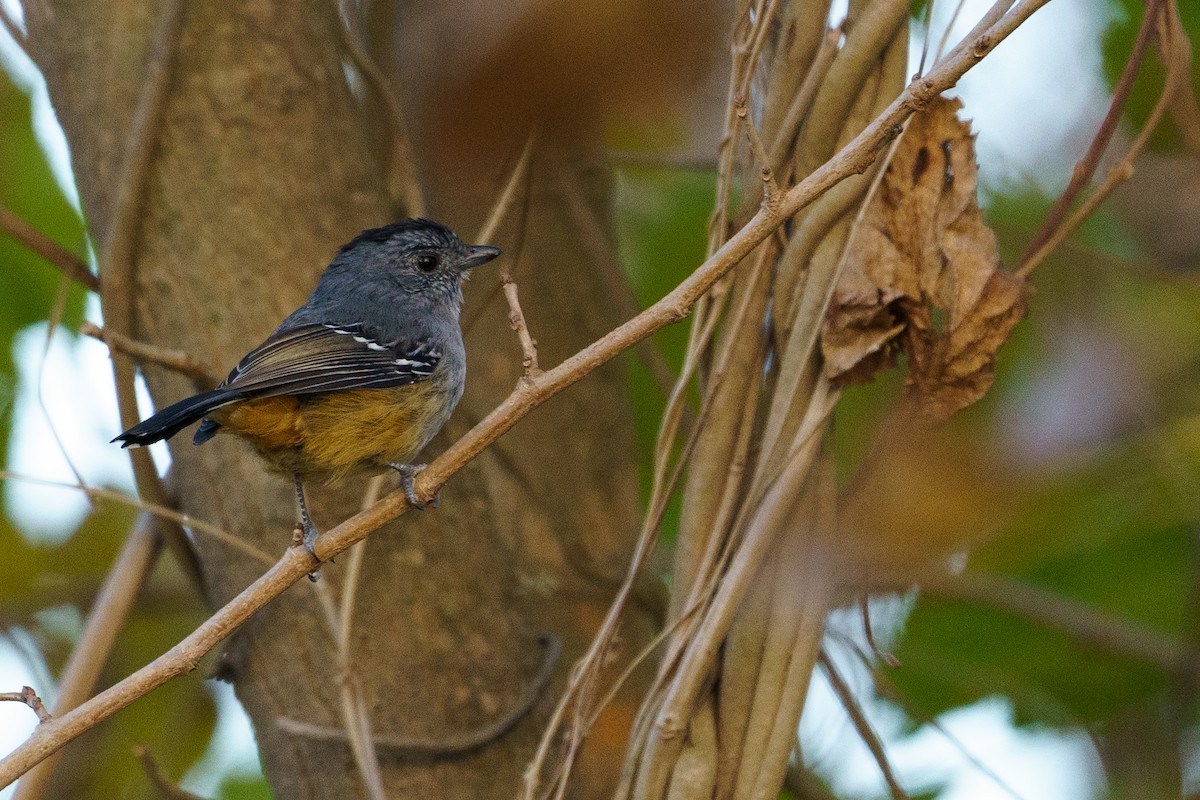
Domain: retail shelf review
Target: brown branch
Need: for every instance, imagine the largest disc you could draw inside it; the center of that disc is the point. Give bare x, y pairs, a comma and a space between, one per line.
158, 778
447, 746
516, 318
67, 262
862, 725
1173, 39
175, 360
1087, 165
30, 698
295, 564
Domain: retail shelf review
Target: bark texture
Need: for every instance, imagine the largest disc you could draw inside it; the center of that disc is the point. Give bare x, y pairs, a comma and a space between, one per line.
264, 165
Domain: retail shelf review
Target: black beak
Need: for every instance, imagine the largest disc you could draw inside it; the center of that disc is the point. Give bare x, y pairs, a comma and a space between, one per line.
478, 254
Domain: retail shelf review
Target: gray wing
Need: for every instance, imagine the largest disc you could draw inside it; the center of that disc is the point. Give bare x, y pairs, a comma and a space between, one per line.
315, 358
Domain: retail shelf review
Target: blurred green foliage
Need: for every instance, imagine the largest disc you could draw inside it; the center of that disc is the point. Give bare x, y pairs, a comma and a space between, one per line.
1114, 527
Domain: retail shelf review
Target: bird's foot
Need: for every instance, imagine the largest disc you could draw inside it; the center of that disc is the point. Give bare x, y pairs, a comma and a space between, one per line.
407, 473
306, 533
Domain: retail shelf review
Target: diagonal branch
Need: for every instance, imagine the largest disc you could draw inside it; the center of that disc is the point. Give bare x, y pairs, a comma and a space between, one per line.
862, 725
1087, 165
296, 563
67, 262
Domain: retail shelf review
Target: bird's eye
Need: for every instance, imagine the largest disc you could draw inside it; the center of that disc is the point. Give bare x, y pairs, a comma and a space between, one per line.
427, 262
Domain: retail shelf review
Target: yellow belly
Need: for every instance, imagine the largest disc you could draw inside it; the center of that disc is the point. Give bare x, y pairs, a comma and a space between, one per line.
335, 434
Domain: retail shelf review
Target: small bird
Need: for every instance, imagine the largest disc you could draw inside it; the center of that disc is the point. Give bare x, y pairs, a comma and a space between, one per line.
356, 380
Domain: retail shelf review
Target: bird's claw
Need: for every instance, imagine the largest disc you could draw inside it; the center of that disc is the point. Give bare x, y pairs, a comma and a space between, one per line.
407, 473
310, 534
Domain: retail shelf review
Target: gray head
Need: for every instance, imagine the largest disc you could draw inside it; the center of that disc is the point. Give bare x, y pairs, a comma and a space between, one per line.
417, 258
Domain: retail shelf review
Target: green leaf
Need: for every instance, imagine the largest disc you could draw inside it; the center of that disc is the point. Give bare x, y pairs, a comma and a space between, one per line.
1115, 535
244, 788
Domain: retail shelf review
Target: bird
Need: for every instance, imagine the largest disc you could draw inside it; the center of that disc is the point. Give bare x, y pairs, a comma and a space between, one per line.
359, 378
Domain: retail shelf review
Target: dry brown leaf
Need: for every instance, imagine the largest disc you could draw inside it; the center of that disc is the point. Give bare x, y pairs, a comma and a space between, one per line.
923, 274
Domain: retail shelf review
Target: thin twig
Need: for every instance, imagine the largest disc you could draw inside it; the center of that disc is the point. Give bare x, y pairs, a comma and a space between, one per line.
67, 262
516, 318
403, 180
517, 181
1087, 165
889, 691
160, 511
866, 731
949, 29
770, 187
175, 360
448, 746
855, 157
1122, 170
30, 698
519, 178
864, 605
928, 24
158, 778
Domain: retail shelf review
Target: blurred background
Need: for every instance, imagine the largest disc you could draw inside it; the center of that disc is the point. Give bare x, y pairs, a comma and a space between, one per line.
1094, 424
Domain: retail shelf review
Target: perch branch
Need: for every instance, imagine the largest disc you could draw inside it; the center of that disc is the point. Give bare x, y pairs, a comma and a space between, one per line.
296, 563
67, 262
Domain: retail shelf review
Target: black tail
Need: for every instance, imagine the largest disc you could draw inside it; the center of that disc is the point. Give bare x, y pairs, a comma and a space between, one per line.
174, 418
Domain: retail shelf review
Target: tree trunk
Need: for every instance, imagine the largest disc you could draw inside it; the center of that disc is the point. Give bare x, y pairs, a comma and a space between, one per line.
263, 165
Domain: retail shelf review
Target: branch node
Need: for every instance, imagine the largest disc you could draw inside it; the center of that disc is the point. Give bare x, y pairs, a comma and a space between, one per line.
30, 698
982, 45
